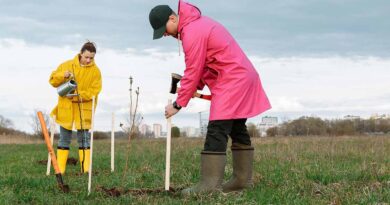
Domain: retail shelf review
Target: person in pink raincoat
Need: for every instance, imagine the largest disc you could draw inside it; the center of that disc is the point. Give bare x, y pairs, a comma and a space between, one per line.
213, 58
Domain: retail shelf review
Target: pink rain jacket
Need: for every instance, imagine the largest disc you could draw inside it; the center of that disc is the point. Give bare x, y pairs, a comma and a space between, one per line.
214, 58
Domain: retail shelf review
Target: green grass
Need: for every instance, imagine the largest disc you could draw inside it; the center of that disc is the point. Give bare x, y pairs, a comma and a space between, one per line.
302, 170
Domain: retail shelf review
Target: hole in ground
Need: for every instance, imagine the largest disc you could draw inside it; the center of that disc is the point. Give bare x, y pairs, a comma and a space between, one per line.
116, 192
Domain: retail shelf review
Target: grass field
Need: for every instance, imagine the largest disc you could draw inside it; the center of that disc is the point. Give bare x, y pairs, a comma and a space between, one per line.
302, 170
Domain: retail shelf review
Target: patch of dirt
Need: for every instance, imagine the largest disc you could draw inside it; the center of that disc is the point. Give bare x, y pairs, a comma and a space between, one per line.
110, 192
152, 191
42, 162
71, 161
81, 174
116, 192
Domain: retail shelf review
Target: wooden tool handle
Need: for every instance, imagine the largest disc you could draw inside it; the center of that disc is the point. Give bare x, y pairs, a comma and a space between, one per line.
48, 143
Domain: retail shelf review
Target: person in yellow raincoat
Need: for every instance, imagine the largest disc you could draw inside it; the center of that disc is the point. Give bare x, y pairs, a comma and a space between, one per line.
75, 111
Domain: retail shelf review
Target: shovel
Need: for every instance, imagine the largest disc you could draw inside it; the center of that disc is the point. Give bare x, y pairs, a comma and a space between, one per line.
61, 185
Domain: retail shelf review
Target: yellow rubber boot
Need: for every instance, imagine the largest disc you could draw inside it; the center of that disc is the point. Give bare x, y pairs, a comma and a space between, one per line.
84, 156
62, 157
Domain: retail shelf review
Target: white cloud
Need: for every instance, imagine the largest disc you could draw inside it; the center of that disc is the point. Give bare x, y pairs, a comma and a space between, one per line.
280, 104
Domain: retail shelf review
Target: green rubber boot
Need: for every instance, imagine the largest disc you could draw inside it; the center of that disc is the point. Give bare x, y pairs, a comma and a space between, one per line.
211, 173
242, 168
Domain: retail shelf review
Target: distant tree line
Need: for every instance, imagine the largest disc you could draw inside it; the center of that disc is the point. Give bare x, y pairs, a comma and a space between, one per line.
7, 127
314, 126
253, 130
303, 126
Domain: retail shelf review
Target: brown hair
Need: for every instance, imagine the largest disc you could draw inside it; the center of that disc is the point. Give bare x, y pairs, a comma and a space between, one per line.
89, 46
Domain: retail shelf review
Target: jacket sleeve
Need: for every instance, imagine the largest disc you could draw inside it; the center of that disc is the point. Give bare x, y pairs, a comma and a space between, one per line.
57, 76
200, 85
94, 89
195, 49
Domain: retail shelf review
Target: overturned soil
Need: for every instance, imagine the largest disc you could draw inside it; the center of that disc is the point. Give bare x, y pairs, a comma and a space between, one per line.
82, 174
71, 161
116, 192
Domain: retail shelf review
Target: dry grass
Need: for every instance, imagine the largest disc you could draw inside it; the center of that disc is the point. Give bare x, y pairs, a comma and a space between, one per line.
19, 139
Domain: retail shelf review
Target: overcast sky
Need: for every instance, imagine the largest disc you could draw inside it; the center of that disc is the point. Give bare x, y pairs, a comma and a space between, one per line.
327, 58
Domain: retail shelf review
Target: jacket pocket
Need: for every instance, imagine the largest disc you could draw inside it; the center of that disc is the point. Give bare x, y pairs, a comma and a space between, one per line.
64, 111
87, 114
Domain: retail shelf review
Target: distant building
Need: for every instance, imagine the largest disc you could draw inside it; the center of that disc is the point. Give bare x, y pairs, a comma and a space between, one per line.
266, 123
377, 116
144, 129
351, 117
197, 131
157, 129
191, 131
164, 134
269, 120
203, 122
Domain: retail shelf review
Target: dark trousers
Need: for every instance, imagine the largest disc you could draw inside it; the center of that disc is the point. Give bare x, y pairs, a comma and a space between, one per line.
219, 130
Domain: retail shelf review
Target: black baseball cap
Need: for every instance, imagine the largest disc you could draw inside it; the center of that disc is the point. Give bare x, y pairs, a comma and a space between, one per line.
158, 18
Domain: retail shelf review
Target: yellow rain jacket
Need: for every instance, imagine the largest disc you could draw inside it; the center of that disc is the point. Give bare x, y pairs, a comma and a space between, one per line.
89, 84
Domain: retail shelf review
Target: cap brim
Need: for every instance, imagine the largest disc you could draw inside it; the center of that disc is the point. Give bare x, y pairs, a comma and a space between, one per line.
158, 33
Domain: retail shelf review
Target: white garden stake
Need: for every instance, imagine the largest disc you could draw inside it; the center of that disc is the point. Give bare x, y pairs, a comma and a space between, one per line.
168, 152
91, 148
52, 130
112, 142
